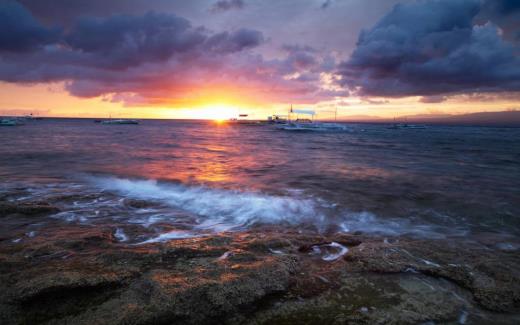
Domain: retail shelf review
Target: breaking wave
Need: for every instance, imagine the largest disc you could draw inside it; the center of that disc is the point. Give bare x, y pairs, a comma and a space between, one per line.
218, 210
239, 208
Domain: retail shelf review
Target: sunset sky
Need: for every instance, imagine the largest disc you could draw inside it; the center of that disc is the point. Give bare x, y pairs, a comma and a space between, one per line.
217, 58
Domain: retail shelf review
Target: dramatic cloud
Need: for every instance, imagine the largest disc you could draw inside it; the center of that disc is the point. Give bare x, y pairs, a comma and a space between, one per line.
234, 42
122, 41
504, 7
20, 31
123, 52
432, 48
225, 5
157, 59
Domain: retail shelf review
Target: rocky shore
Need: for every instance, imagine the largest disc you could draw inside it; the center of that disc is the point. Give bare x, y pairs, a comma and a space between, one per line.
84, 274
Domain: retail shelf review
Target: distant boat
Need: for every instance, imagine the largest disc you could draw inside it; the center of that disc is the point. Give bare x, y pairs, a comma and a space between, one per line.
31, 117
119, 121
9, 122
401, 126
312, 127
405, 125
308, 124
277, 119
243, 120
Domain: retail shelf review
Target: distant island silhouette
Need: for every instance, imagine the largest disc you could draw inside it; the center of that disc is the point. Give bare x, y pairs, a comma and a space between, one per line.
502, 118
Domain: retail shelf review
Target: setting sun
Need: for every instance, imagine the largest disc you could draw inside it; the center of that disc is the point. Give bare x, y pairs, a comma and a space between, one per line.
217, 112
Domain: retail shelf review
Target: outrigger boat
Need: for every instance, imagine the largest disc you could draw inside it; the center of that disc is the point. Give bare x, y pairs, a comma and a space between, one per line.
9, 122
308, 124
399, 126
277, 119
242, 119
120, 121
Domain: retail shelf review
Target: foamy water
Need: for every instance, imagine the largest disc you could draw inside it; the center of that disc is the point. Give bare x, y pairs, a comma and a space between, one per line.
200, 178
219, 210
239, 208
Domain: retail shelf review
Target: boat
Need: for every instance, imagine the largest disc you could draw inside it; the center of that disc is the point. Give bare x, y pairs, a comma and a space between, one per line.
313, 127
9, 122
306, 124
31, 117
405, 125
242, 119
277, 119
401, 126
119, 121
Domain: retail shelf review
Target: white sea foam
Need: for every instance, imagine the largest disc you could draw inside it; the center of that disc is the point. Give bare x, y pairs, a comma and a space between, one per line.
70, 216
31, 234
223, 209
120, 235
332, 251
220, 210
225, 255
369, 223
463, 318
174, 234
341, 250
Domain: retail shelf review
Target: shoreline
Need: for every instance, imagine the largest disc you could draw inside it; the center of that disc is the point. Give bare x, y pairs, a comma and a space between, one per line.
82, 274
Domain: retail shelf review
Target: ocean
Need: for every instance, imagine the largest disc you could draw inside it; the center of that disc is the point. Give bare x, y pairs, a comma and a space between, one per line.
163, 180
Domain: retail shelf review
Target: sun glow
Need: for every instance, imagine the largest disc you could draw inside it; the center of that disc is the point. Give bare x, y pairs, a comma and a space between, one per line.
215, 112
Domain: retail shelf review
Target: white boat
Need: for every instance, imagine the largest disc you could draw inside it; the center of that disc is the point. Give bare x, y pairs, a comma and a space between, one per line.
242, 119
9, 122
401, 126
120, 121
313, 127
308, 124
277, 119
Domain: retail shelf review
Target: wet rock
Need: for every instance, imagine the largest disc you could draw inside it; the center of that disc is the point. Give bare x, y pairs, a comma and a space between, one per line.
26, 208
267, 244
348, 240
79, 274
489, 275
371, 299
138, 204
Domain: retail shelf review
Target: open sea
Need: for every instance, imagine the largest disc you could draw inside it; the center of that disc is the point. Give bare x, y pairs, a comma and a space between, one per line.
163, 180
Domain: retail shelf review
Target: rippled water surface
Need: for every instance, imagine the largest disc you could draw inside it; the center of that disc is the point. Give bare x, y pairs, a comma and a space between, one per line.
197, 178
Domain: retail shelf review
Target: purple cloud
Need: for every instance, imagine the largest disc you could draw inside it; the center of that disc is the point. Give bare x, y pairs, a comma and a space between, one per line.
225, 5
431, 48
159, 59
121, 41
236, 41
20, 31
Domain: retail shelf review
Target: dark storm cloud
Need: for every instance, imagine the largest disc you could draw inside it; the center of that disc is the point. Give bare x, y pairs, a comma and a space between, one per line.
121, 41
234, 41
21, 31
225, 5
505, 7
93, 46
153, 58
66, 12
432, 48
503, 13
